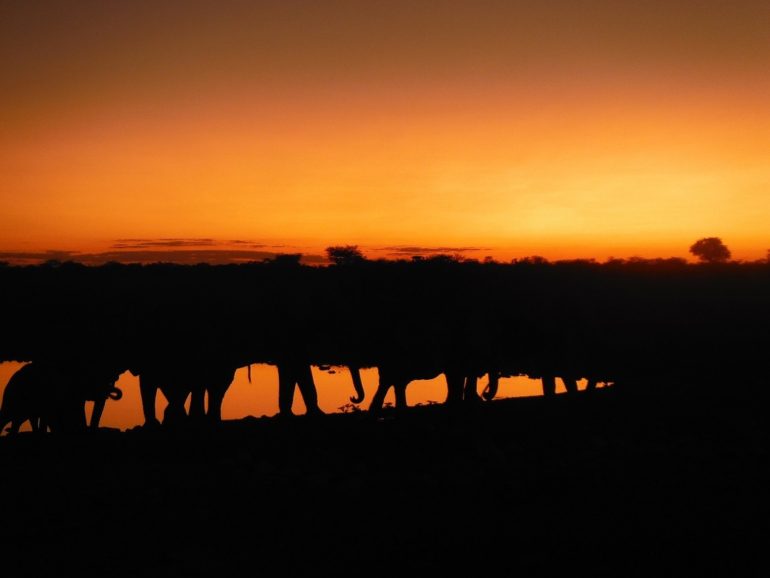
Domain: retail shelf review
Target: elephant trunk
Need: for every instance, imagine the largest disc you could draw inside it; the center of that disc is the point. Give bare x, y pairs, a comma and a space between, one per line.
115, 393
357, 384
490, 391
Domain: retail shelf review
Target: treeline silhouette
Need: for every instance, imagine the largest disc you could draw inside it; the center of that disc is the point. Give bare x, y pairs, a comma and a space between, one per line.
648, 326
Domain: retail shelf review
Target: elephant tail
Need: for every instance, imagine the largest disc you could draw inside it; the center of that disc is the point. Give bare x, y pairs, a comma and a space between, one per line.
490, 391
248, 371
115, 393
357, 384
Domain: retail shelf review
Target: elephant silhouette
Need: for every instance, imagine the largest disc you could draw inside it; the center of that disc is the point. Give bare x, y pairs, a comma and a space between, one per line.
52, 395
461, 383
548, 382
178, 380
294, 375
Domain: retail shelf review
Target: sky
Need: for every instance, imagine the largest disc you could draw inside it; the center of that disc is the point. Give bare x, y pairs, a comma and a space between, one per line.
225, 130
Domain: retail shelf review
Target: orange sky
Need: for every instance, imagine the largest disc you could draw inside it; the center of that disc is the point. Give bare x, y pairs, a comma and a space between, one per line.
562, 128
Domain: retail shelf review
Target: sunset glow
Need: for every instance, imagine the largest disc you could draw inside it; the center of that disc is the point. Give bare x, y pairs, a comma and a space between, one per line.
612, 129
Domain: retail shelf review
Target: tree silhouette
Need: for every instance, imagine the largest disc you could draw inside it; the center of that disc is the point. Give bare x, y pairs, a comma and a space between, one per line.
345, 255
710, 250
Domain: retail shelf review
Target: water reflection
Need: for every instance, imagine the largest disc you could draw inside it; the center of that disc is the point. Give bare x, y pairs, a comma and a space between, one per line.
259, 396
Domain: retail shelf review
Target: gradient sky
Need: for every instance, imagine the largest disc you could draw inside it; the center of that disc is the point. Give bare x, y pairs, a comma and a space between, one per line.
563, 128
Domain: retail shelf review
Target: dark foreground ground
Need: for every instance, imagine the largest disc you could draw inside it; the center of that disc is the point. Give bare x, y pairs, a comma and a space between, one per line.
614, 484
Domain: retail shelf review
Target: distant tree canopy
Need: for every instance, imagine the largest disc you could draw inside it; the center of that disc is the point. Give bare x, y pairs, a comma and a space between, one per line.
710, 250
345, 254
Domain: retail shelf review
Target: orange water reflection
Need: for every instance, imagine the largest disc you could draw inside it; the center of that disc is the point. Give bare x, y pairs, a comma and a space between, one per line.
260, 396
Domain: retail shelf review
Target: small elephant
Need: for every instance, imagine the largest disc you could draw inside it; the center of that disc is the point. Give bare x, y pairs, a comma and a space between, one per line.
52, 395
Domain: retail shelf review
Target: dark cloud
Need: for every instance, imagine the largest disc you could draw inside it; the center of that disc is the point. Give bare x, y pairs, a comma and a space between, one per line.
251, 244
182, 257
35, 257
150, 243
204, 250
178, 243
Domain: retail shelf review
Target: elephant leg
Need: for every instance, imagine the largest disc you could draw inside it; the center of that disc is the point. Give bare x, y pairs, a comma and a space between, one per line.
286, 382
96, 414
358, 385
378, 399
71, 417
591, 385
216, 396
549, 385
175, 413
491, 390
38, 424
148, 390
308, 390
570, 384
198, 403
470, 391
45, 422
455, 383
400, 390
